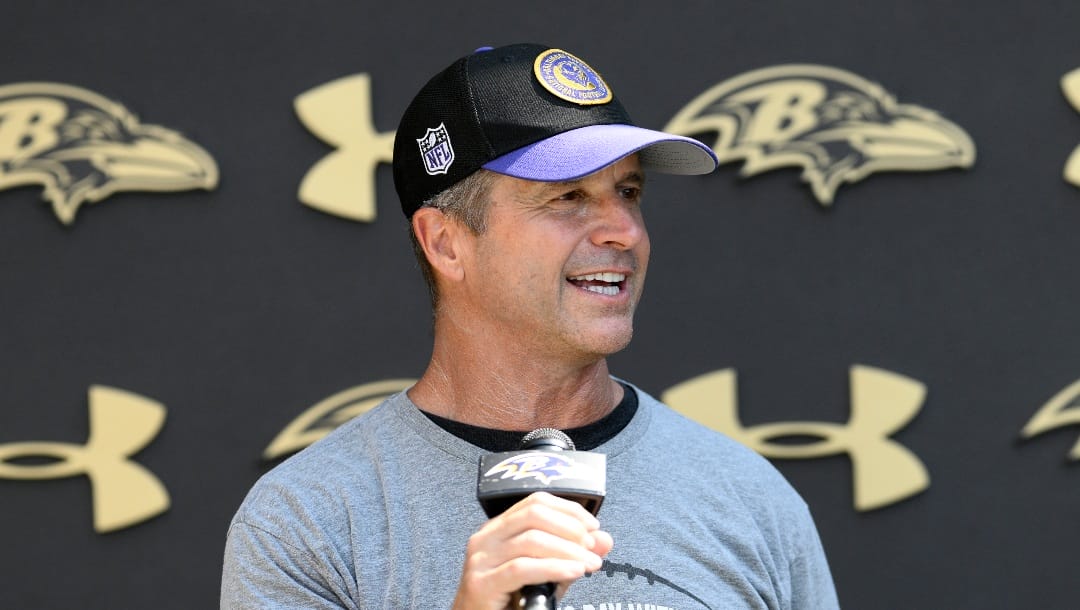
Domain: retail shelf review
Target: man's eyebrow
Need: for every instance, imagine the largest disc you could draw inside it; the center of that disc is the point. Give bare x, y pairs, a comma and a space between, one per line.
563, 184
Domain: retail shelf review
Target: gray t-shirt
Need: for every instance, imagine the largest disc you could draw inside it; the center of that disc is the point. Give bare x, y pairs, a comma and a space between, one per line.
378, 513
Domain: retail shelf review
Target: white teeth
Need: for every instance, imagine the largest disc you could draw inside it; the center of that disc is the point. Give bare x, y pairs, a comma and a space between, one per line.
608, 290
610, 287
607, 276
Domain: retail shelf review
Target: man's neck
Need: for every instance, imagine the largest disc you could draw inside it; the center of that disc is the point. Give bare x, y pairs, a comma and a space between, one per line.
507, 391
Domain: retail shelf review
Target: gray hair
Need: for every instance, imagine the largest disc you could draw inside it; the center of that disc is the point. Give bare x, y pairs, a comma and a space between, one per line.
466, 202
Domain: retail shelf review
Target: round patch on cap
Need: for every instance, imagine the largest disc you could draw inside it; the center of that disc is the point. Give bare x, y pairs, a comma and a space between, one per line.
568, 78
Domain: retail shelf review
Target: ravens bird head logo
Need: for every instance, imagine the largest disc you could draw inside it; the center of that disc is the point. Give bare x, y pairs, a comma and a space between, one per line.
836, 125
82, 147
542, 466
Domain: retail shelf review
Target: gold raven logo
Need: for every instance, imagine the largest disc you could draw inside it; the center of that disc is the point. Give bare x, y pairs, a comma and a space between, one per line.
837, 126
1060, 411
83, 147
323, 417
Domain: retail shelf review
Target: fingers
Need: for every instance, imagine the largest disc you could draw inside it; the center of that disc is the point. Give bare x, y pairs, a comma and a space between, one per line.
540, 539
602, 543
544, 512
541, 527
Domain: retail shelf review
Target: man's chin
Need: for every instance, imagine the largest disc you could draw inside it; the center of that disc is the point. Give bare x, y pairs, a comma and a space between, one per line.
610, 341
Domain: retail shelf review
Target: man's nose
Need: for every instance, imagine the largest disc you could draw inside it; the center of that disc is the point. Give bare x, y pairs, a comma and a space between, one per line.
618, 223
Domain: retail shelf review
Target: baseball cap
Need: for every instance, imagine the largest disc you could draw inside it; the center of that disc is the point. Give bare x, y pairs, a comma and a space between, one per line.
529, 111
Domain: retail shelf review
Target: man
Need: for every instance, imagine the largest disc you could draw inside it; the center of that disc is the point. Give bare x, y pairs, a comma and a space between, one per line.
522, 178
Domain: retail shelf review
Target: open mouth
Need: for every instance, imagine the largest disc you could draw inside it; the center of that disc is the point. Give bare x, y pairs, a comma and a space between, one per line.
607, 283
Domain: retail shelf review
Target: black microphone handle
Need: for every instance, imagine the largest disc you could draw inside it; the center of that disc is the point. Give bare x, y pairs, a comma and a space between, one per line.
538, 597
542, 597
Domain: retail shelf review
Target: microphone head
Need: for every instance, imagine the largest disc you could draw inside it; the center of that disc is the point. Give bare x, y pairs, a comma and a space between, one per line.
547, 439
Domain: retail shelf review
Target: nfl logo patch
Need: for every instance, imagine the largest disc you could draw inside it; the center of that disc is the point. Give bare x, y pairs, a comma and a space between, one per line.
436, 151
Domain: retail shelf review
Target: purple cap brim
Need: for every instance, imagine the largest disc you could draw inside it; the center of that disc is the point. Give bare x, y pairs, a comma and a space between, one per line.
579, 152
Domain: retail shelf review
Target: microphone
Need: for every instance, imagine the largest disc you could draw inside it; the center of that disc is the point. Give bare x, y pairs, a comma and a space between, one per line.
547, 462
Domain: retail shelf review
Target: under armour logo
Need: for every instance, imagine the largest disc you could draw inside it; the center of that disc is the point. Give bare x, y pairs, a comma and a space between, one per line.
1070, 85
343, 182
882, 403
121, 424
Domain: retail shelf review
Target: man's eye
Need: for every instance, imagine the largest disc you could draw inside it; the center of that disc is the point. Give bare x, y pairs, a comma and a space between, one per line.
569, 196
631, 192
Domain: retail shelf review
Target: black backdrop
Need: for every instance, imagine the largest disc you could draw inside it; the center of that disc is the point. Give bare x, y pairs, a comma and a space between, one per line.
238, 308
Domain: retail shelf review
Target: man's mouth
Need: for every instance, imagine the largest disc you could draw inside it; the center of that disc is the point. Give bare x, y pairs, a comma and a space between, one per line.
606, 283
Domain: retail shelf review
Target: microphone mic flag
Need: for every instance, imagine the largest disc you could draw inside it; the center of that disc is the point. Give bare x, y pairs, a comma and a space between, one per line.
547, 462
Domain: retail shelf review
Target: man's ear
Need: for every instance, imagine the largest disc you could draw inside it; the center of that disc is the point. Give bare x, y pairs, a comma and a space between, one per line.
441, 238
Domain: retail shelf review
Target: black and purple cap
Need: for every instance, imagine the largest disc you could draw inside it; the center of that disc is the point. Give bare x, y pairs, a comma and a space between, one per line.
528, 111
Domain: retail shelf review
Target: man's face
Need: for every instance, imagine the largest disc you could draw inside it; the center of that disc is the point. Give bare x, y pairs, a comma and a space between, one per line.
561, 266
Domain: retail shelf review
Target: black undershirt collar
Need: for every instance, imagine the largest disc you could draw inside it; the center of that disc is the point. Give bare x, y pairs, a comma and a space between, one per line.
586, 438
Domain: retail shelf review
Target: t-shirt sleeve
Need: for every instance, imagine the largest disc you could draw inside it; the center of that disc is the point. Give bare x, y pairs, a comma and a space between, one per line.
262, 571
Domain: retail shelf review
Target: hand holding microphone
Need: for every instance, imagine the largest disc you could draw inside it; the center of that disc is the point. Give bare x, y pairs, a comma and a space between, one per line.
535, 539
